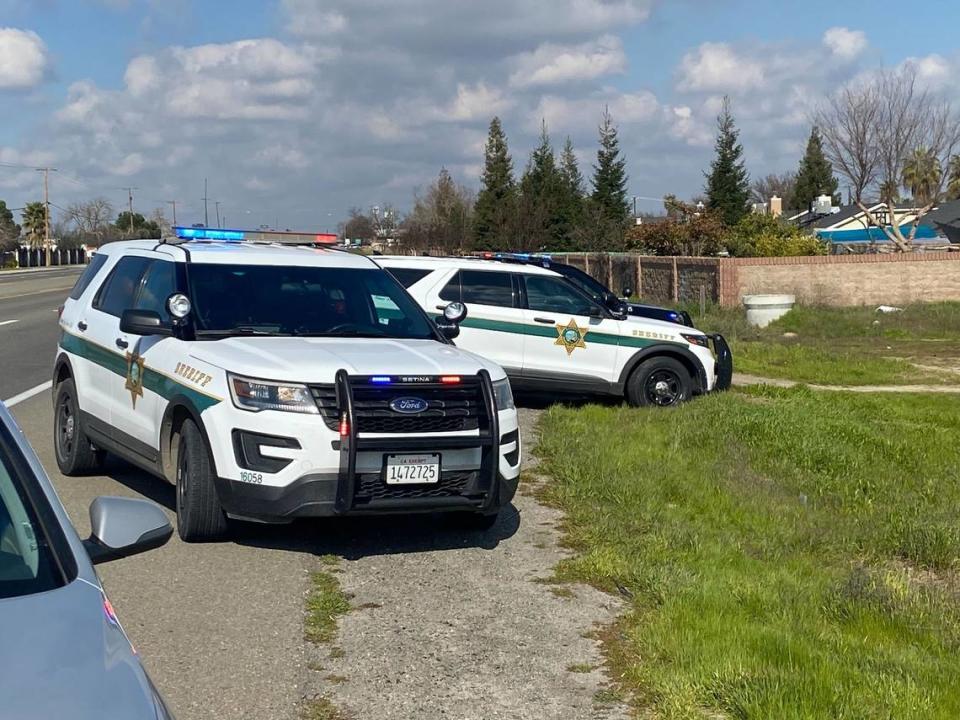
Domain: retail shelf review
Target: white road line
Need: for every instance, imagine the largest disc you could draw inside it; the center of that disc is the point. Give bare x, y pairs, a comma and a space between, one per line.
27, 394
8, 322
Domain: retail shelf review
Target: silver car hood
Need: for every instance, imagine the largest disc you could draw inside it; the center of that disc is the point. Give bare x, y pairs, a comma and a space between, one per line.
62, 656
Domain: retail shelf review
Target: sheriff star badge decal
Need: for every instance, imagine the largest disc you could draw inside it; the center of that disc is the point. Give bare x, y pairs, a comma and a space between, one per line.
571, 337
134, 381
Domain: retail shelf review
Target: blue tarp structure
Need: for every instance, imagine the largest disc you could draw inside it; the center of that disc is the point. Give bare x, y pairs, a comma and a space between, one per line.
874, 234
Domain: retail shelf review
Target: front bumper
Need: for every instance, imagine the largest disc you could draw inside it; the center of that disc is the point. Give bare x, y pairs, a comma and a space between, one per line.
316, 496
479, 470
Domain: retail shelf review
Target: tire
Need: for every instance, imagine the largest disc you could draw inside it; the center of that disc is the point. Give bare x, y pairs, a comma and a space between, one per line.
200, 516
75, 454
659, 382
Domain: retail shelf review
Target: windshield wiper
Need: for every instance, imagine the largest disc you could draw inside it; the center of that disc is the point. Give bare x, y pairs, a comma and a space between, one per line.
239, 330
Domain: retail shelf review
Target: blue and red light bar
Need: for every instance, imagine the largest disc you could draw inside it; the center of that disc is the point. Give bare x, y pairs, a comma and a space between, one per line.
192, 233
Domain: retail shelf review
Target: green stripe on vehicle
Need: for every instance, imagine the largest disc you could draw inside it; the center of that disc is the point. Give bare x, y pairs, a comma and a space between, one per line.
153, 380
551, 332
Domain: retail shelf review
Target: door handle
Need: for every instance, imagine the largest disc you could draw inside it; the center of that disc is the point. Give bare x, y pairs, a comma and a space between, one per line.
545, 321
122, 344
82, 326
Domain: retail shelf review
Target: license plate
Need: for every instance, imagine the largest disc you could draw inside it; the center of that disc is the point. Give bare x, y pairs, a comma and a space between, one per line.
412, 469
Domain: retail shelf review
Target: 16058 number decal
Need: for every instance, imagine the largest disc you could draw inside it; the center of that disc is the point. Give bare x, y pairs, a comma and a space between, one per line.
192, 374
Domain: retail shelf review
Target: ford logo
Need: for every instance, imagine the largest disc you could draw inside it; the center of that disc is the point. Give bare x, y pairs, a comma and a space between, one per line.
409, 405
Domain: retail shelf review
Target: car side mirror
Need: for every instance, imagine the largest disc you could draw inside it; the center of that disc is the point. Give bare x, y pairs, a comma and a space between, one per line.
143, 322
455, 313
451, 331
121, 527
595, 312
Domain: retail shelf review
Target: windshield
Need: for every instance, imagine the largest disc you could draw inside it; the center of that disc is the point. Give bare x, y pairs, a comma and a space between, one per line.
27, 563
311, 301
585, 282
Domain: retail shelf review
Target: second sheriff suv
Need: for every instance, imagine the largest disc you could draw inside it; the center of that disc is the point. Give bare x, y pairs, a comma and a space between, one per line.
550, 334
268, 382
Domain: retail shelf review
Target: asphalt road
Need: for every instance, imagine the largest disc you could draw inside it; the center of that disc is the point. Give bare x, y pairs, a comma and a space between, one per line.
28, 326
447, 623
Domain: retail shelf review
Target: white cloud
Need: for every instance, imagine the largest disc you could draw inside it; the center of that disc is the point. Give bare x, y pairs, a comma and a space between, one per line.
845, 43
552, 64
23, 59
477, 102
717, 67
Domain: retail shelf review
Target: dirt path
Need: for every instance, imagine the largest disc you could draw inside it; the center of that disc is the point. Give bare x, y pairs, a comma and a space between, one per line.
741, 379
455, 625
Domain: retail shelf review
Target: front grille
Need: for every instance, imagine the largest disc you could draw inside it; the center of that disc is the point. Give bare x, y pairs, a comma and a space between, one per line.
372, 487
450, 408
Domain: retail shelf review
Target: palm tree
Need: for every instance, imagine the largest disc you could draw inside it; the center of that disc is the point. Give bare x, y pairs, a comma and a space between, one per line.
890, 192
953, 184
921, 174
35, 223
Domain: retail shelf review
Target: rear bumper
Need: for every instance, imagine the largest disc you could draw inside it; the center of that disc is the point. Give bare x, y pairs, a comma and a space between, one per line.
315, 495
724, 362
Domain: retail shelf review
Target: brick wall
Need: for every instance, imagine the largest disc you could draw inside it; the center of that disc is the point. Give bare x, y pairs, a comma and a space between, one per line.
829, 279
847, 279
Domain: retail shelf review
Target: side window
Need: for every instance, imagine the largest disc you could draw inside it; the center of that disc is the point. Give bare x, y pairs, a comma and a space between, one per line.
158, 284
480, 287
120, 287
87, 276
550, 294
408, 276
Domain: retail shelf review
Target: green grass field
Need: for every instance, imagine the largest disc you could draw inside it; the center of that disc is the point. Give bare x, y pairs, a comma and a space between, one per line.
846, 346
785, 553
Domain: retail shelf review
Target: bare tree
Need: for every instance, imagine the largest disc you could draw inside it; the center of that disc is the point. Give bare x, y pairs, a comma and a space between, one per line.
91, 219
782, 185
442, 218
871, 129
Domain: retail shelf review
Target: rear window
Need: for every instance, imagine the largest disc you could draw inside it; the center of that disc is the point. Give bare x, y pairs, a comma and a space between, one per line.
28, 563
408, 276
87, 276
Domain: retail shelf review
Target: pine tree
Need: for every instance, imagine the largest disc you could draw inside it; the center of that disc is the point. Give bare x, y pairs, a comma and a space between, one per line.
9, 230
728, 185
570, 199
496, 201
610, 175
815, 176
540, 190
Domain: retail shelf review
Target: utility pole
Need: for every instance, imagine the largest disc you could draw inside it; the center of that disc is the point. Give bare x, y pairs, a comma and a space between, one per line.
206, 217
46, 209
217, 203
174, 203
130, 204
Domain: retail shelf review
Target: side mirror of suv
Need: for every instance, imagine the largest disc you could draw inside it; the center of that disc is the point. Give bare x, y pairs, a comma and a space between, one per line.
120, 527
143, 322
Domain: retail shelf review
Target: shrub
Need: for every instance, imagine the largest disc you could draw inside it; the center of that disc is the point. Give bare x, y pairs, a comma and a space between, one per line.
760, 235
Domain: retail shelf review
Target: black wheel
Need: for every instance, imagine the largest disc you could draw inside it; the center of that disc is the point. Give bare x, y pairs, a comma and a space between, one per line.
660, 382
75, 454
199, 514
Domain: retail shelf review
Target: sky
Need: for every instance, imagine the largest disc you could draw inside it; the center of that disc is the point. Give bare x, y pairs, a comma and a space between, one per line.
296, 110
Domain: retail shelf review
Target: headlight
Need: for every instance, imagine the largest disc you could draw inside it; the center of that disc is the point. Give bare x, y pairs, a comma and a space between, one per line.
700, 340
503, 395
257, 395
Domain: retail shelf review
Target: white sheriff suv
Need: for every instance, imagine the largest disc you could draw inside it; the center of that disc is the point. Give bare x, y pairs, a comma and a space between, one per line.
269, 382
551, 335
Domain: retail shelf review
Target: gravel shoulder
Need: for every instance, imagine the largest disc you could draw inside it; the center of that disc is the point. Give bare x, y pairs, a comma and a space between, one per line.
448, 624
